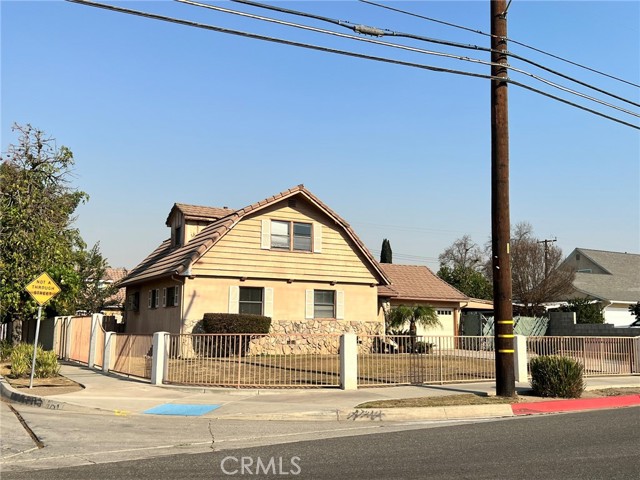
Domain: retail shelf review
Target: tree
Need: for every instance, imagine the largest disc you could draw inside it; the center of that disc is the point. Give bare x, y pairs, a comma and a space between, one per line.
94, 292
424, 315
37, 204
536, 274
635, 310
470, 282
587, 311
461, 266
386, 255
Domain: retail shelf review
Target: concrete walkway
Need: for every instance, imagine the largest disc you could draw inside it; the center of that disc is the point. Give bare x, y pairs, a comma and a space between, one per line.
118, 395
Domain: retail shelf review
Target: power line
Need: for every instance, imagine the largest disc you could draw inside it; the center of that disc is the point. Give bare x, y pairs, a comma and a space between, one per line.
256, 36
367, 30
395, 45
510, 40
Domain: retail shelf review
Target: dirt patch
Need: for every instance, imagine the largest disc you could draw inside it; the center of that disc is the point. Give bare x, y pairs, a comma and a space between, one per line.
479, 399
41, 386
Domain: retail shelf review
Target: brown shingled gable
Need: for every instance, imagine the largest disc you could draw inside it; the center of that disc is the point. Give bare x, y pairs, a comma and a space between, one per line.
165, 260
197, 212
416, 282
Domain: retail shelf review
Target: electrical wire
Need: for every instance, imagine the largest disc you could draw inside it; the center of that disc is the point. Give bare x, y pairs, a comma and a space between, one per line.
403, 47
510, 40
385, 32
340, 52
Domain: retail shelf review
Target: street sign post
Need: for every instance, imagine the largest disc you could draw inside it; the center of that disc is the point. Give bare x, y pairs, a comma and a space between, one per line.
42, 289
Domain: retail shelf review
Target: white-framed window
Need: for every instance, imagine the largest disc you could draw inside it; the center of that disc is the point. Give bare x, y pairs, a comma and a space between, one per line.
324, 304
154, 298
444, 312
291, 236
251, 300
171, 296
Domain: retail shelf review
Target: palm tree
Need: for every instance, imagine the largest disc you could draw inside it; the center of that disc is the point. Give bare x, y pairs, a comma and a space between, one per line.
425, 315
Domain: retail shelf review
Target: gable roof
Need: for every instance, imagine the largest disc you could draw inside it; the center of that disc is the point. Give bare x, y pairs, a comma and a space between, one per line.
166, 260
418, 283
620, 283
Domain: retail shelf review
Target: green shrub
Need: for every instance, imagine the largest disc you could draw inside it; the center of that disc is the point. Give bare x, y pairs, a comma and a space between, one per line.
46, 362
230, 323
235, 323
556, 376
5, 350
423, 347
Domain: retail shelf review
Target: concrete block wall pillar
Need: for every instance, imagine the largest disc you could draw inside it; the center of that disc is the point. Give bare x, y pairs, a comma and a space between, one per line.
349, 361
68, 323
159, 357
520, 358
109, 348
95, 318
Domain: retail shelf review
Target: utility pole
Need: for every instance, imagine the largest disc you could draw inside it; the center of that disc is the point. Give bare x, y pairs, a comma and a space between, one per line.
546, 255
500, 222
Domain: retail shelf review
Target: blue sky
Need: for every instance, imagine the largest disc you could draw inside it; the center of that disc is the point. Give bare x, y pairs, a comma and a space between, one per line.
158, 113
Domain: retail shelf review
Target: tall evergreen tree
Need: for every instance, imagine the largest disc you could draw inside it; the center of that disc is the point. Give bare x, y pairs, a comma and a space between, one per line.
386, 255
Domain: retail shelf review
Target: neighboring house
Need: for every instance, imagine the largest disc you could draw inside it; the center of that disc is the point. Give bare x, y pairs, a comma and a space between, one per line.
115, 303
611, 278
289, 257
413, 285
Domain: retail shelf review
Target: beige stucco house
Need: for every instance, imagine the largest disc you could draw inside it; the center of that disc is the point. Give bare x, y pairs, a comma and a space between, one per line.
413, 285
289, 257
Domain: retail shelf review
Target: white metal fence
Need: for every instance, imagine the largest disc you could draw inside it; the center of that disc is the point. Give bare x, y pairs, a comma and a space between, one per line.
598, 355
253, 360
401, 360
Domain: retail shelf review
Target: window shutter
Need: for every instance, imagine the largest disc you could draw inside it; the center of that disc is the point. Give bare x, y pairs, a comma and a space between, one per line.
234, 299
340, 305
176, 296
317, 237
164, 297
268, 302
308, 310
150, 293
265, 234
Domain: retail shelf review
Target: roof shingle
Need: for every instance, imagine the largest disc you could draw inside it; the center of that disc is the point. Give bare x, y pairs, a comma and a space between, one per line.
418, 283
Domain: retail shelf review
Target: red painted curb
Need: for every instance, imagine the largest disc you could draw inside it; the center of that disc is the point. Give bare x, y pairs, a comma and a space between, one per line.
554, 406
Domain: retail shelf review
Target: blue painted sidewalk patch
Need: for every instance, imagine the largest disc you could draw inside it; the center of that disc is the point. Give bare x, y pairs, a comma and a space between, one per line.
184, 409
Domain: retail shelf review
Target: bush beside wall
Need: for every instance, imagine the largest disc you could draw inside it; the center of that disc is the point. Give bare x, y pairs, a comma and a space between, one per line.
235, 323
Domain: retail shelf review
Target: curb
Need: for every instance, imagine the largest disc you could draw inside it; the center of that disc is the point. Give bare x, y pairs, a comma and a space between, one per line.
12, 395
574, 405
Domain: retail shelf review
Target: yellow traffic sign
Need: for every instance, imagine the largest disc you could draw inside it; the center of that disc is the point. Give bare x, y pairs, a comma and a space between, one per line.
43, 289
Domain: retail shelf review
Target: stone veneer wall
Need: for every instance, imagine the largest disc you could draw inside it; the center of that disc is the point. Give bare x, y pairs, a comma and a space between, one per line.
320, 337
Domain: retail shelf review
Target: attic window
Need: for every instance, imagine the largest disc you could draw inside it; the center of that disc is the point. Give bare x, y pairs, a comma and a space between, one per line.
177, 236
281, 237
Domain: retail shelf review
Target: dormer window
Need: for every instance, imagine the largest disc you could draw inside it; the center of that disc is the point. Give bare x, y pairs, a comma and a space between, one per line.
177, 236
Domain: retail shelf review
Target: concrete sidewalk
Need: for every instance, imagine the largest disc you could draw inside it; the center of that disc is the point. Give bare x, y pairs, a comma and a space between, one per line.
119, 395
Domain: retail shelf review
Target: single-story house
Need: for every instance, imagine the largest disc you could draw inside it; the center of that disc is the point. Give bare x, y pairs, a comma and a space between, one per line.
413, 285
610, 278
289, 257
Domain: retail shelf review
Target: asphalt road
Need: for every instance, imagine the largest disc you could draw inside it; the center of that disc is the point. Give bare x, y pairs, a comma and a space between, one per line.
585, 445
